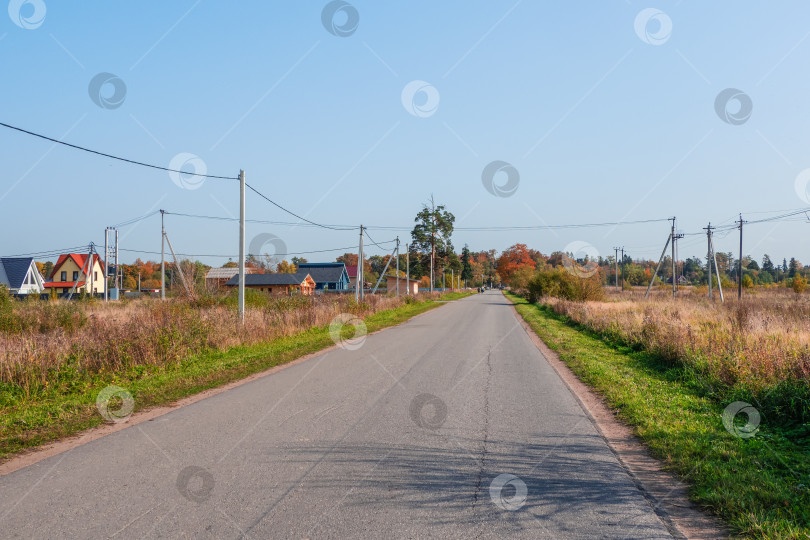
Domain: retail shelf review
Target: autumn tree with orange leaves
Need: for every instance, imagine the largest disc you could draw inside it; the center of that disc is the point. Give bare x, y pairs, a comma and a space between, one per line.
513, 259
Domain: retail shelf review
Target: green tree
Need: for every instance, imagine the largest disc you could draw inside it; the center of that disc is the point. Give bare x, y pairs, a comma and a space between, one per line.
432, 232
466, 267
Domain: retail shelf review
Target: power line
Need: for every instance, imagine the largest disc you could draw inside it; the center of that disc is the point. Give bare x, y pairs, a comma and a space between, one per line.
221, 218
265, 197
375, 243
48, 253
236, 256
132, 161
135, 220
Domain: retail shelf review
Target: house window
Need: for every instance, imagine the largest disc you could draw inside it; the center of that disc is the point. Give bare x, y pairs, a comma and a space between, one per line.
75, 276
63, 276
95, 275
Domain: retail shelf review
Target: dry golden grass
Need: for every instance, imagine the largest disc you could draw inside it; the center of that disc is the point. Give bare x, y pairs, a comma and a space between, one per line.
753, 346
44, 342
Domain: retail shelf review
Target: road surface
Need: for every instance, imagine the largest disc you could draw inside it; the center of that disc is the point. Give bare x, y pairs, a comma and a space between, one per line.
452, 425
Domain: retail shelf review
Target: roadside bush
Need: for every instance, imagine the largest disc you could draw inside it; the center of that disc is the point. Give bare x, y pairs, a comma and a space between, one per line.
799, 284
559, 283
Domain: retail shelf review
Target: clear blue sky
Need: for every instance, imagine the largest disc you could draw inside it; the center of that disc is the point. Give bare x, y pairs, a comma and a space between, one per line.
601, 125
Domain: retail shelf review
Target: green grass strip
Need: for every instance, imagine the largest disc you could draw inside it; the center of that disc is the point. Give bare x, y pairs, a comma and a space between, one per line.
758, 485
69, 408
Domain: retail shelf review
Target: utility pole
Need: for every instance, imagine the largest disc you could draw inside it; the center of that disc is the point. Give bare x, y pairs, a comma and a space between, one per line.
162, 257
675, 238
712, 257
622, 267
709, 255
106, 267
397, 266
408, 269
432, 239
616, 260
241, 247
360, 276
673, 258
739, 266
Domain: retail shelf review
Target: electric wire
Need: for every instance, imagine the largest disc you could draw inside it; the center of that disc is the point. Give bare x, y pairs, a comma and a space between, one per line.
275, 255
111, 156
268, 199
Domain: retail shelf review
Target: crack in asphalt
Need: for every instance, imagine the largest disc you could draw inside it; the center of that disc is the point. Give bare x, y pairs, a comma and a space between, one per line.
485, 440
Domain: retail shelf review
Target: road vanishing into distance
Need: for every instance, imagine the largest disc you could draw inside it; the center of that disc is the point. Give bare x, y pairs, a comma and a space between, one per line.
451, 425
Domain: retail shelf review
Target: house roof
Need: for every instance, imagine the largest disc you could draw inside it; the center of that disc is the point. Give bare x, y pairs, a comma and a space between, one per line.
54, 284
226, 273
13, 270
401, 278
80, 259
324, 272
261, 280
351, 270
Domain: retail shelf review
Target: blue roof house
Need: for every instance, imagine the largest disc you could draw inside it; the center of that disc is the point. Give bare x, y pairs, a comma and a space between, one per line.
329, 276
20, 275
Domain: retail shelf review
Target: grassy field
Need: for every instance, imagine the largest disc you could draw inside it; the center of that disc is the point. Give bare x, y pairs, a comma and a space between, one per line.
757, 480
56, 358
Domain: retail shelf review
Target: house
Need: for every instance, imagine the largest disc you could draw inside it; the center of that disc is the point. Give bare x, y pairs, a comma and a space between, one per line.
406, 286
69, 270
277, 284
351, 271
218, 277
20, 275
329, 276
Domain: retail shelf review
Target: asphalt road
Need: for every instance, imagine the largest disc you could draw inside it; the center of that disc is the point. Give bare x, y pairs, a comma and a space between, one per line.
452, 425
